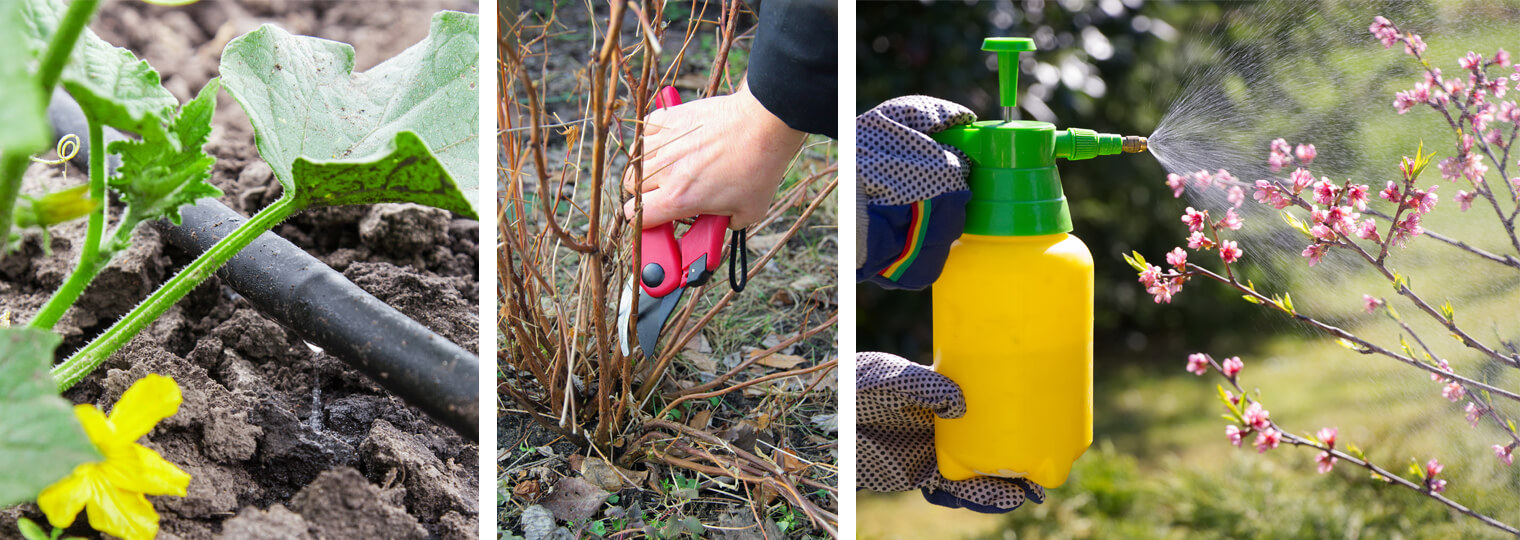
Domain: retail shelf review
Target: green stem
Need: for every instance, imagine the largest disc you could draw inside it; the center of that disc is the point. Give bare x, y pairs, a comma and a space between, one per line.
13, 163
62, 45
90, 259
96, 352
12, 168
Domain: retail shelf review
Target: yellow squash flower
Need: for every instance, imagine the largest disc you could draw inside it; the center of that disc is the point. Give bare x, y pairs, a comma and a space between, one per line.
115, 490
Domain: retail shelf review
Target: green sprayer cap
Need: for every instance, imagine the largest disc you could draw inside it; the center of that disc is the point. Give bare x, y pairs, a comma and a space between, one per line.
1015, 189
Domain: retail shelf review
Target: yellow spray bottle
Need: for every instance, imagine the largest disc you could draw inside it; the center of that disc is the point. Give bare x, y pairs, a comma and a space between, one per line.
1013, 309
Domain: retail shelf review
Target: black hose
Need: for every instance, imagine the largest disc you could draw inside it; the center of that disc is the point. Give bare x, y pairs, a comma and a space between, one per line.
323, 307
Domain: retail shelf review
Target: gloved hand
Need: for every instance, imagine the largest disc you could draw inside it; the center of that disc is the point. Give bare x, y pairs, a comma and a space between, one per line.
896, 401
911, 199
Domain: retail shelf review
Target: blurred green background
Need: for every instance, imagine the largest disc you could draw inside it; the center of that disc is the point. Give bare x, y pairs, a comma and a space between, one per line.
1160, 466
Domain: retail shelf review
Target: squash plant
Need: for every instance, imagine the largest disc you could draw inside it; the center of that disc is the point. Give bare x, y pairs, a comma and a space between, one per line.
404, 131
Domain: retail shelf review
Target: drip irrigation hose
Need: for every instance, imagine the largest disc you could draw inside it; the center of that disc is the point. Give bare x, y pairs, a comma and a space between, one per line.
295, 289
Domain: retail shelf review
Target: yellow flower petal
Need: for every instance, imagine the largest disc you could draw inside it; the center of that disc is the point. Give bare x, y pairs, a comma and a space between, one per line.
96, 426
62, 501
144, 404
141, 469
123, 513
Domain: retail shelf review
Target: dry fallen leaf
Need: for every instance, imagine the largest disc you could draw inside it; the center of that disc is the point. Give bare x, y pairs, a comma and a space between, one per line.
781, 361
528, 491
574, 499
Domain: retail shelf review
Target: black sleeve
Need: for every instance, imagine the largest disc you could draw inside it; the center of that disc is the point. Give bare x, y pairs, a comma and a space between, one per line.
793, 66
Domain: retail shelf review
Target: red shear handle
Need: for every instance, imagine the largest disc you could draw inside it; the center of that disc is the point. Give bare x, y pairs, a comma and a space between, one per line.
660, 252
660, 255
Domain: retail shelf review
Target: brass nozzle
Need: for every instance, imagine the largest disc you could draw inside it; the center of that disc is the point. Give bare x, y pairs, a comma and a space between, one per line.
1135, 144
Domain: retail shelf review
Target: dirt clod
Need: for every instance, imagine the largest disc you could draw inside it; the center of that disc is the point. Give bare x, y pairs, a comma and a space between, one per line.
276, 523
340, 504
403, 229
430, 485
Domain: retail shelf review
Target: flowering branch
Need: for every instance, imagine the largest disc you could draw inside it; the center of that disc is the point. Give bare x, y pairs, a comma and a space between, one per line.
1251, 416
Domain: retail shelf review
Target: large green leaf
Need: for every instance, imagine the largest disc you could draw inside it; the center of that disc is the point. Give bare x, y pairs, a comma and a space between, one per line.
110, 84
40, 439
155, 179
401, 171
21, 113
305, 101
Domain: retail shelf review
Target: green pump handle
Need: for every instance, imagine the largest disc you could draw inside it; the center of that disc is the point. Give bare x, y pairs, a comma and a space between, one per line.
1015, 189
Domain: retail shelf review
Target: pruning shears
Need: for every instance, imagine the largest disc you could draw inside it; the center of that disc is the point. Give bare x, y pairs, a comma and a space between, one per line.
670, 265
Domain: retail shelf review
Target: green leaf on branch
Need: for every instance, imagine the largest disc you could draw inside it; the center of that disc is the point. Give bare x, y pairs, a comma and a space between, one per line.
41, 441
1137, 261
416, 110
156, 178
110, 83
21, 112
1447, 311
1287, 303
1251, 299
1296, 224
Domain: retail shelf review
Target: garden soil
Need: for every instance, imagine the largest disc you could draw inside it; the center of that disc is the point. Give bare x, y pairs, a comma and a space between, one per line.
281, 439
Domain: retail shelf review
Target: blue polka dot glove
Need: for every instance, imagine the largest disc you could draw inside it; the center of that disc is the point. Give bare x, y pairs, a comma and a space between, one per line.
911, 200
896, 402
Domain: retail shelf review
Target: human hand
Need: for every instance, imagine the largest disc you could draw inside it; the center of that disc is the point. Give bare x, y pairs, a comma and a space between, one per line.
722, 155
912, 191
896, 402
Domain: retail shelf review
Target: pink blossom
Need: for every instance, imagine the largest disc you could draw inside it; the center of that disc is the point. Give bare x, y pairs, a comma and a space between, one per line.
1471, 61
1367, 230
1198, 240
1231, 366
1341, 218
1203, 179
1437, 376
1501, 58
1177, 258
1433, 468
1198, 363
1402, 102
1437, 486
1423, 201
1384, 31
1326, 462
1465, 199
1474, 413
1356, 196
1515, 183
1267, 439
1327, 435
1301, 179
1177, 182
1234, 433
1149, 276
1305, 153
1223, 176
1163, 290
1318, 215
1257, 417
1370, 303
1390, 193
1413, 45
1322, 232
1473, 167
1503, 452
1231, 221
1507, 112
1279, 156
1453, 392
1406, 229
1194, 219
1451, 168
1229, 251
1315, 252
1325, 191
1269, 193
1236, 196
